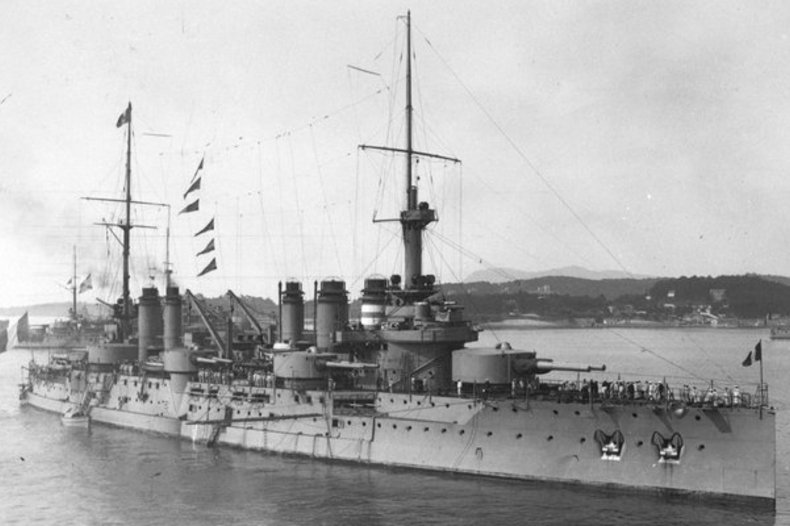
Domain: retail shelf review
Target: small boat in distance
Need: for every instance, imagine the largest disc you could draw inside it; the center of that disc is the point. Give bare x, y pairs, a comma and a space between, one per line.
780, 333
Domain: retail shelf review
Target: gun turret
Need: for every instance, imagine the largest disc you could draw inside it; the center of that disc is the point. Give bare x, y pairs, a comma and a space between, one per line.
501, 365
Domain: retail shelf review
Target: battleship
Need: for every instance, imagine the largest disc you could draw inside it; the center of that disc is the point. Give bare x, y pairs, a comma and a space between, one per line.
399, 388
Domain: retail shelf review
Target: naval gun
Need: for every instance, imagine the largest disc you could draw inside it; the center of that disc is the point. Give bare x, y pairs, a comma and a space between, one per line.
501, 365
528, 364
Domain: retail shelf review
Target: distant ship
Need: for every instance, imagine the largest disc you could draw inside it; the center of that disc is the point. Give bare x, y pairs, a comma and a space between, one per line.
398, 388
74, 332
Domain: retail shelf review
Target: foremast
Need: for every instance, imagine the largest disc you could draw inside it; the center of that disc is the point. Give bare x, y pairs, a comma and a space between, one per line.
417, 215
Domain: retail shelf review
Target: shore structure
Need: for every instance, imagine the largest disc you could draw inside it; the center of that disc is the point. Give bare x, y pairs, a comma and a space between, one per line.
398, 387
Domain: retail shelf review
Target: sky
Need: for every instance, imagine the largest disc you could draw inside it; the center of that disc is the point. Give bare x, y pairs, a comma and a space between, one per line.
644, 137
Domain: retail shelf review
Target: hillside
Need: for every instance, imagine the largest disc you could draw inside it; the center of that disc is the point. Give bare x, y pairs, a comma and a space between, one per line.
503, 275
556, 285
747, 296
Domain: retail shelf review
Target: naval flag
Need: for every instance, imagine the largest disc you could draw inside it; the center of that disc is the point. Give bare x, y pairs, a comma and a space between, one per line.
86, 284
208, 248
125, 117
194, 186
758, 354
211, 266
200, 167
191, 207
209, 226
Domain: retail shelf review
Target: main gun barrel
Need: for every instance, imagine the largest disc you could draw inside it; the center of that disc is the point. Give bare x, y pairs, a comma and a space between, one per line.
543, 367
531, 366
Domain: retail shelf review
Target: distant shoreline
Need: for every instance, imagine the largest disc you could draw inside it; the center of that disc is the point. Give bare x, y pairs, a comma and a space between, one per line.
535, 323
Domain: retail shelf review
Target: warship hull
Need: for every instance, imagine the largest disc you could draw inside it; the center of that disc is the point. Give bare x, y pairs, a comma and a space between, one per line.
727, 453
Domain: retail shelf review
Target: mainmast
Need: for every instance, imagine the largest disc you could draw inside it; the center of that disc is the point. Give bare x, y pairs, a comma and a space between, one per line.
127, 227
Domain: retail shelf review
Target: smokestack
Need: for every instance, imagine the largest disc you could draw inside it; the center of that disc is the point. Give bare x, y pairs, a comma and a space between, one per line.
332, 313
292, 312
172, 318
149, 316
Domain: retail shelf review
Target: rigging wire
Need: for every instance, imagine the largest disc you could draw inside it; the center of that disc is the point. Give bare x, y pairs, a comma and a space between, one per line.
280, 190
326, 204
264, 230
529, 163
707, 357
299, 219
654, 353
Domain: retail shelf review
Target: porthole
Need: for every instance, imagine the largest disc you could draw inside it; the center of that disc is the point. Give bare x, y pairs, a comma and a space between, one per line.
556, 412
634, 415
550, 438
576, 413
519, 435
639, 443
489, 434
461, 432
582, 440
701, 447
426, 429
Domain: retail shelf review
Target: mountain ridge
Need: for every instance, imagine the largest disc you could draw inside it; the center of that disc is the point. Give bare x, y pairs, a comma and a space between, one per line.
503, 275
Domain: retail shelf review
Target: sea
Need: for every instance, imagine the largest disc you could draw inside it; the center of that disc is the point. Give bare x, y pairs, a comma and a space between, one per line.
51, 474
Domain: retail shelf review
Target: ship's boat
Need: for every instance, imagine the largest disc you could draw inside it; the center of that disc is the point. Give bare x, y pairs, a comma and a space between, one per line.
398, 387
780, 333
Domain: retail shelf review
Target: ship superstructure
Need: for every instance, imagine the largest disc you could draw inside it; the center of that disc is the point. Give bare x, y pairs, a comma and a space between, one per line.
398, 387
